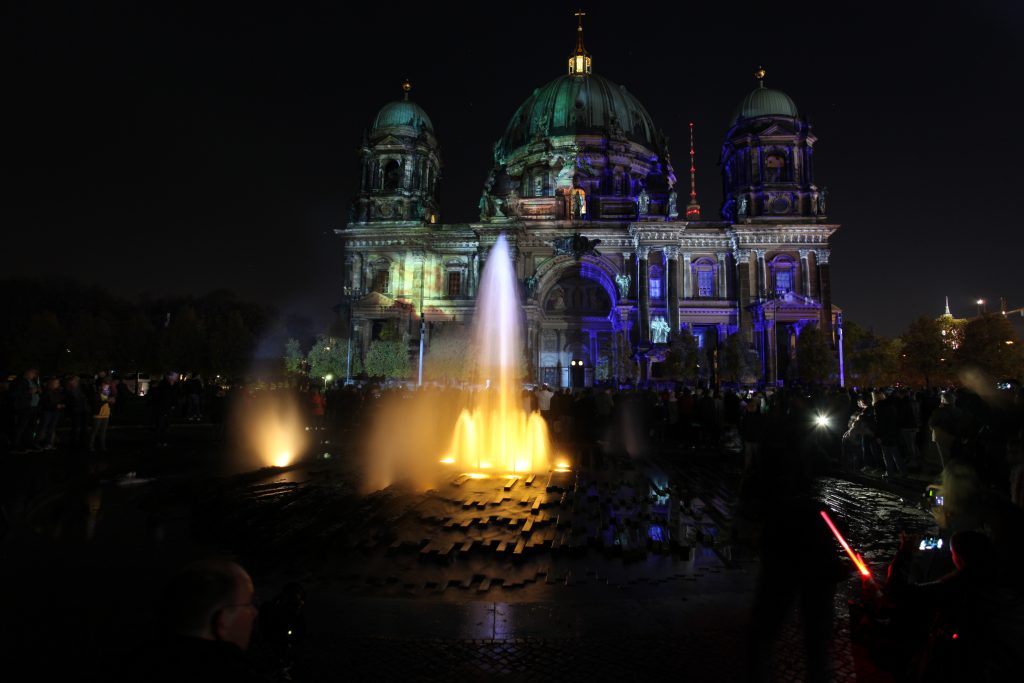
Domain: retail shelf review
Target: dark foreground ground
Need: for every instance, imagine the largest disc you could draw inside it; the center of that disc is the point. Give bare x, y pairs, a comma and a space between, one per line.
627, 567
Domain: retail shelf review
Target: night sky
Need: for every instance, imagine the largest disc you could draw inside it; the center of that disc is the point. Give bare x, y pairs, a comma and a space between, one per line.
160, 149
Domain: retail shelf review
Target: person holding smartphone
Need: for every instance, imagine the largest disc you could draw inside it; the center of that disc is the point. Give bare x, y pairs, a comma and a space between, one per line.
968, 624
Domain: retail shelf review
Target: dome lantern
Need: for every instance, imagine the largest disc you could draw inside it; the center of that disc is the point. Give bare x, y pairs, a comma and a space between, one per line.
579, 61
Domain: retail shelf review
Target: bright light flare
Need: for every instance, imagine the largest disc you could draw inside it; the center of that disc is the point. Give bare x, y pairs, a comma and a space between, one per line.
283, 459
857, 559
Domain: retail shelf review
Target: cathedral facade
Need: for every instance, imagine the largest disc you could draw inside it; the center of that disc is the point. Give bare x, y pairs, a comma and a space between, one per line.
612, 262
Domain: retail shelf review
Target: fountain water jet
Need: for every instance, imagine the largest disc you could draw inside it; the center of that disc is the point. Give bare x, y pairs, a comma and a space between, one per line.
495, 434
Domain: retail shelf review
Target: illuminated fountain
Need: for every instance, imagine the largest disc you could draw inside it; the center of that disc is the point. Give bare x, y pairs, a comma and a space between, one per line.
273, 426
495, 435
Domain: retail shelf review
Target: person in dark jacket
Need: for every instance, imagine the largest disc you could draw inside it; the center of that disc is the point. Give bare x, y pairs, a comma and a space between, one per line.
24, 399
887, 429
76, 407
164, 401
51, 407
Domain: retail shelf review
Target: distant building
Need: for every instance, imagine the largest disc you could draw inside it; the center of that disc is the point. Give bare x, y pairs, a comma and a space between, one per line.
580, 161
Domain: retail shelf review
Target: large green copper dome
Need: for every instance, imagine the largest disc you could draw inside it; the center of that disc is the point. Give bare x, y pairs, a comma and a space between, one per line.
764, 101
579, 105
402, 113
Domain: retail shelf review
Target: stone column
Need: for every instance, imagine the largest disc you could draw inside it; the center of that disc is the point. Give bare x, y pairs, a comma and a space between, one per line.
762, 274
805, 273
558, 358
824, 291
723, 291
593, 355
672, 303
743, 295
644, 291
687, 276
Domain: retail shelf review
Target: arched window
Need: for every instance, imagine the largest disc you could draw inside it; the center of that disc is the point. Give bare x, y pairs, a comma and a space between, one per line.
654, 282
392, 175
783, 271
704, 277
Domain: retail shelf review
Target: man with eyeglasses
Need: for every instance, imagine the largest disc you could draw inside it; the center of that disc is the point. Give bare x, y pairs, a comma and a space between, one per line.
208, 612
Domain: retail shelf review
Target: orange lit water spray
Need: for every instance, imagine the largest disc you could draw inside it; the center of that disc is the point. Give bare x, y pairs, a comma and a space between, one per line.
496, 435
857, 559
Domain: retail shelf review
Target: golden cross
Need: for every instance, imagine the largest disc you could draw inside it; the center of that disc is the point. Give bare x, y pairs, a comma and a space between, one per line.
580, 14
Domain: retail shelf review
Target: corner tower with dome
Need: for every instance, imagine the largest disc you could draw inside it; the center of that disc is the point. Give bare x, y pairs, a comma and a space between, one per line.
611, 268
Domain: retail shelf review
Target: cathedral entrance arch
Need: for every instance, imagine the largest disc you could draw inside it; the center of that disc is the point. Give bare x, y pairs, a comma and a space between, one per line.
577, 320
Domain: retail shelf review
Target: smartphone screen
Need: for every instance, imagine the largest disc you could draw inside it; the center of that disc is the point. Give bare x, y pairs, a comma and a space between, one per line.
930, 543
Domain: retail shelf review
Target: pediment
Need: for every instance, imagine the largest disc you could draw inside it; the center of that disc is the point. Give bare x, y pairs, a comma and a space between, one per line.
376, 299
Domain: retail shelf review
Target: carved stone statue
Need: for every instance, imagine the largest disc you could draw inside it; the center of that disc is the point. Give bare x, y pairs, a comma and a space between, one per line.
556, 302
823, 201
576, 246
741, 212
659, 330
511, 203
483, 206
622, 282
579, 205
673, 198
643, 202
814, 204
531, 285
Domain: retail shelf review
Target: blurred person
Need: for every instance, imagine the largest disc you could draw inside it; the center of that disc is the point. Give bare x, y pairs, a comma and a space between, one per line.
318, 408
800, 563
751, 429
51, 407
23, 395
544, 396
102, 400
194, 398
946, 423
76, 407
164, 401
887, 431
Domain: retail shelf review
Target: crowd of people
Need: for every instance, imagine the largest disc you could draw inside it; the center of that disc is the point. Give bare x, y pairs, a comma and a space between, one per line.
73, 412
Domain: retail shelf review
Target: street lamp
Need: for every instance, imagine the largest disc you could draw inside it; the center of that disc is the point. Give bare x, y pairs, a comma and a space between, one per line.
981, 305
327, 378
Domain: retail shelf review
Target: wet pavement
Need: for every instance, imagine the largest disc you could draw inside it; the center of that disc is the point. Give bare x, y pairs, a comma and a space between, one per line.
627, 567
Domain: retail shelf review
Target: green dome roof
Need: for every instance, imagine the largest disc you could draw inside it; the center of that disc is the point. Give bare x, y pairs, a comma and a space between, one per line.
573, 105
402, 113
764, 101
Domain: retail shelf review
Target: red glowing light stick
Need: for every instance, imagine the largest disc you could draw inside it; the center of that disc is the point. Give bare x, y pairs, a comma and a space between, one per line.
857, 559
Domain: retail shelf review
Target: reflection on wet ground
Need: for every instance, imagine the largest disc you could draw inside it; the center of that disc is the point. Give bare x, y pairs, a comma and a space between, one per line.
645, 561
